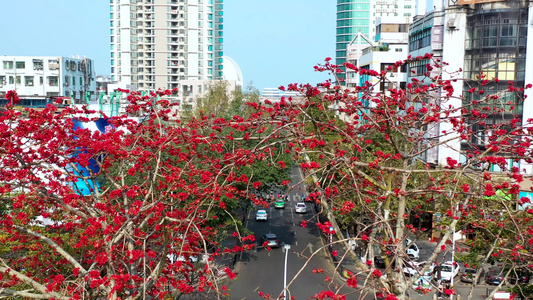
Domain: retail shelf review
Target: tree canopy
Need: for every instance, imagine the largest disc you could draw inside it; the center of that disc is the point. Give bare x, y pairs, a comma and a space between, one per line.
134, 209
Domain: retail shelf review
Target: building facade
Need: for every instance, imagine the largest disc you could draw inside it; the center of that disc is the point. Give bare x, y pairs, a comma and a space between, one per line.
479, 40
159, 44
41, 77
392, 47
360, 16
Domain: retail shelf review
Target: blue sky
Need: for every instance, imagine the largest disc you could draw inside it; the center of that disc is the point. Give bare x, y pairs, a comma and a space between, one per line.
275, 42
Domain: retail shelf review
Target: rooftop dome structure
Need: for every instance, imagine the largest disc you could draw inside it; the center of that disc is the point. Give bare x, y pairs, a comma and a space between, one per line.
232, 72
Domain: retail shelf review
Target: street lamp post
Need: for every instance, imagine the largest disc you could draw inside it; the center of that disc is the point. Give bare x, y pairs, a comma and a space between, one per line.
287, 247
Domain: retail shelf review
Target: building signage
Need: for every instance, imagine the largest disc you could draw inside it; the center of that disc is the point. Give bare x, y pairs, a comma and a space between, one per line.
525, 205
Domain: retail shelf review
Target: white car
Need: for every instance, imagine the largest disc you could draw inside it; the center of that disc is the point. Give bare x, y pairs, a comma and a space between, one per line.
448, 271
413, 251
261, 215
300, 208
413, 268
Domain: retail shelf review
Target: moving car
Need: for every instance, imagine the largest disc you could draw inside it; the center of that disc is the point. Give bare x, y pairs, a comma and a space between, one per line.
279, 203
469, 274
300, 208
448, 271
495, 275
261, 215
269, 240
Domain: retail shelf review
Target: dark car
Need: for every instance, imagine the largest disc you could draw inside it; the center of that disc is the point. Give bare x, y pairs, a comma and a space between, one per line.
519, 275
270, 240
469, 274
495, 275
379, 262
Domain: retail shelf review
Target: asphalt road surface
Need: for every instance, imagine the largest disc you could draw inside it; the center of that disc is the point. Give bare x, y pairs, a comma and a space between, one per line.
262, 270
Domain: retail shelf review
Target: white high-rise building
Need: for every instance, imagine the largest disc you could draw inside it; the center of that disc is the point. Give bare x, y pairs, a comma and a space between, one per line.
163, 44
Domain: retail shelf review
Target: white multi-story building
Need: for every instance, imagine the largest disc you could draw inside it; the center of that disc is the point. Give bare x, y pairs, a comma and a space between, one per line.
391, 47
41, 77
166, 44
359, 17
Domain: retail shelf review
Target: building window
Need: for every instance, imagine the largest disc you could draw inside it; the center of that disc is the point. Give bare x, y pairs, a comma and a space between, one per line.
8, 65
417, 68
38, 64
18, 80
53, 80
420, 40
21, 65
28, 80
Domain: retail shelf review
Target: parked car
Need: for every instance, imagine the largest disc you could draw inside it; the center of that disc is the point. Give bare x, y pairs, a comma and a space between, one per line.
413, 268
448, 271
412, 251
519, 275
300, 208
261, 215
269, 240
279, 203
495, 275
469, 274
379, 262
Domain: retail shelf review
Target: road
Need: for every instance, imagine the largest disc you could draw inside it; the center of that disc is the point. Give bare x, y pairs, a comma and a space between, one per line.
263, 271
